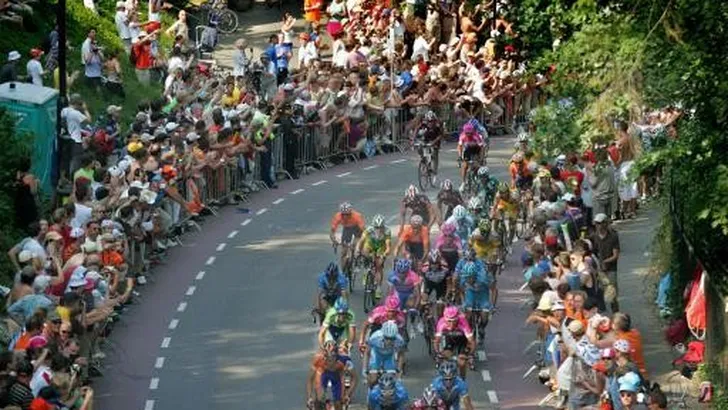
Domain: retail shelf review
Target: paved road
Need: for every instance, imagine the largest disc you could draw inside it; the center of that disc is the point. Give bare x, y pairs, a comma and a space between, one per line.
226, 320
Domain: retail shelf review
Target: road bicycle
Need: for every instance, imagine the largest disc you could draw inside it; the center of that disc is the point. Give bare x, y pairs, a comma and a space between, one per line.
471, 178
348, 269
523, 217
426, 172
370, 285
217, 13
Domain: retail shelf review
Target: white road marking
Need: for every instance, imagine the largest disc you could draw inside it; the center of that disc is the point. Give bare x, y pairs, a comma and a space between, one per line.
191, 291
452, 150
232, 234
481, 356
397, 161
323, 181
486, 375
200, 275
149, 405
159, 363
278, 201
165, 342
345, 174
182, 306
173, 324
392, 218
492, 396
298, 191
154, 383
370, 167
221, 246
262, 211
210, 260
245, 222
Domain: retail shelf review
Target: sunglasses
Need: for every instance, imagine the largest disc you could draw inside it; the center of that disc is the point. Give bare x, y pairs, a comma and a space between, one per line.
65, 332
626, 394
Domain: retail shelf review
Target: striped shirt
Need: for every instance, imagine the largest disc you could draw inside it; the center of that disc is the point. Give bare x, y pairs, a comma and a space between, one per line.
20, 395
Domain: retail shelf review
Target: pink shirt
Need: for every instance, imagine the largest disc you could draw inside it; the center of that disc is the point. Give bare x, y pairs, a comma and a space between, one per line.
379, 316
471, 139
452, 241
462, 325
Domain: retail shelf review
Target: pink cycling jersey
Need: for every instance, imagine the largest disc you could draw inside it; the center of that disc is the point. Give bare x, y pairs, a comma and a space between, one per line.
472, 139
379, 316
462, 326
454, 241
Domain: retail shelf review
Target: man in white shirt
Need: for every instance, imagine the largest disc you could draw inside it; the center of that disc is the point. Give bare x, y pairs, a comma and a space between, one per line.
75, 115
122, 24
308, 51
86, 46
35, 68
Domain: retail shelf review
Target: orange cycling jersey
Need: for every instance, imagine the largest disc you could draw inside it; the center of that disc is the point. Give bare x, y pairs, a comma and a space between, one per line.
518, 169
409, 235
355, 219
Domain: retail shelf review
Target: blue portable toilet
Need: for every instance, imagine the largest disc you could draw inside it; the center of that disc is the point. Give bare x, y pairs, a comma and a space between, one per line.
35, 108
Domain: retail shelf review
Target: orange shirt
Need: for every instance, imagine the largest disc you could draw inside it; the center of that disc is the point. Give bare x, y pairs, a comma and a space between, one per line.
23, 341
635, 342
569, 311
347, 221
408, 234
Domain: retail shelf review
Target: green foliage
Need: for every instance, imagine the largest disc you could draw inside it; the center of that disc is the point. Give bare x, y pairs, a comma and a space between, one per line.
556, 127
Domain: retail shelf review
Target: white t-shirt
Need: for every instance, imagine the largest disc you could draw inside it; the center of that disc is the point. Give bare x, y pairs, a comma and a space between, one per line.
81, 217
35, 71
85, 49
174, 63
420, 47
41, 378
307, 53
74, 118
122, 25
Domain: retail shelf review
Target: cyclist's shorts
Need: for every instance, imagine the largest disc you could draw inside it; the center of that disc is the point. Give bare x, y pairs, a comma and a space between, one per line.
375, 250
385, 363
524, 182
330, 298
403, 298
479, 299
471, 152
455, 342
335, 379
439, 288
348, 233
416, 249
336, 333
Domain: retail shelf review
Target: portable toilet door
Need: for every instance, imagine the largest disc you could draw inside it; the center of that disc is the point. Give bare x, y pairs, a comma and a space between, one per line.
35, 109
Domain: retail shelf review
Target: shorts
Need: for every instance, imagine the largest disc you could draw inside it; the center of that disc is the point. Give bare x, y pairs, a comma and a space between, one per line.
524, 182
403, 298
439, 288
416, 249
451, 258
337, 334
349, 233
331, 298
374, 250
383, 363
335, 380
477, 300
456, 343
471, 152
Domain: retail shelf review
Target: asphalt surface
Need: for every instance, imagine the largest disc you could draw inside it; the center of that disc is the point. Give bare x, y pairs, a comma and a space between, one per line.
240, 334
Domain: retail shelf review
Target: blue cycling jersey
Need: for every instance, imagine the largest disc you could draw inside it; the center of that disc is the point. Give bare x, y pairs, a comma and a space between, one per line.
334, 287
381, 349
451, 396
398, 401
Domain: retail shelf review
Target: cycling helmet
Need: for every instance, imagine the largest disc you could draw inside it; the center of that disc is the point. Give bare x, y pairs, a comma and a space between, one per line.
475, 203
448, 229
448, 370
484, 227
345, 208
468, 269
378, 221
389, 329
446, 185
459, 212
470, 254
522, 137
430, 116
451, 313
468, 128
387, 381
402, 266
429, 396
332, 269
329, 347
411, 192
392, 302
503, 187
416, 220
483, 171
517, 157
341, 305
434, 255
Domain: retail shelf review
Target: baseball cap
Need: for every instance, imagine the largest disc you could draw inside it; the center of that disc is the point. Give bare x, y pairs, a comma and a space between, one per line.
599, 218
113, 108
25, 256
35, 52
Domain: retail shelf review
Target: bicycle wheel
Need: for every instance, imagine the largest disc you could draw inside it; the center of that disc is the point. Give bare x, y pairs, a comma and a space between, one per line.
228, 21
349, 273
369, 289
432, 176
423, 175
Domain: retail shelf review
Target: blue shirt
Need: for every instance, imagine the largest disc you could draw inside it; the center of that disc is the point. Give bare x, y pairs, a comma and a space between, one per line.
398, 401
336, 287
463, 227
282, 56
381, 350
271, 52
451, 396
27, 305
479, 267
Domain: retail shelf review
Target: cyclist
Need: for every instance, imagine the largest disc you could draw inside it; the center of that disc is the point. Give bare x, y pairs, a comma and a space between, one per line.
522, 142
338, 325
384, 352
450, 248
430, 131
470, 148
376, 243
454, 328
404, 283
463, 223
352, 223
388, 394
451, 388
328, 367
477, 211
521, 175
383, 313
429, 401
505, 208
332, 284
487, 186
475, 284
435, 271
448, 199
544, 187
419, 204
414, 239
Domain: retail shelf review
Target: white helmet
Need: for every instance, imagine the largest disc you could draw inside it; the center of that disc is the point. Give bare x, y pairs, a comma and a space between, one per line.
389, 329
523, 137
459, 212
475, 203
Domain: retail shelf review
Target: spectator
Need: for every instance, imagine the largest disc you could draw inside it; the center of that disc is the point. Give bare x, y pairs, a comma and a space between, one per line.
602, 182
112, 67
75, 115
9, 71
93, 66
179, 29
142, 56
20, 393
605, 243
240, 58
52, 57
34, 68
26, 194
31, 244
86, 46
121, 19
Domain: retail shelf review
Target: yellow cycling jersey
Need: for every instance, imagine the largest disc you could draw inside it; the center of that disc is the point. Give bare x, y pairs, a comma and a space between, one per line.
485, 249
